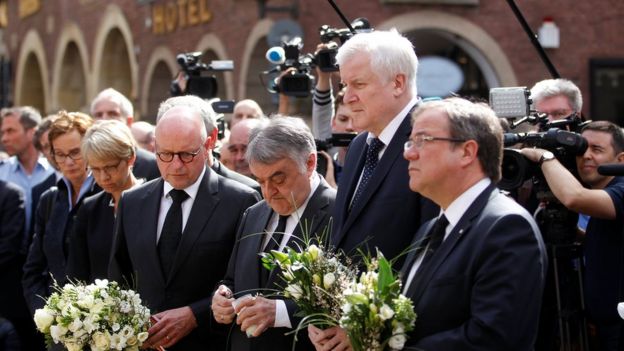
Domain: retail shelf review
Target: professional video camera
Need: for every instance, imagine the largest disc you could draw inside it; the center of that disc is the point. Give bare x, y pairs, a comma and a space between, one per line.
195, 80
299, 82
326, 59
336, 140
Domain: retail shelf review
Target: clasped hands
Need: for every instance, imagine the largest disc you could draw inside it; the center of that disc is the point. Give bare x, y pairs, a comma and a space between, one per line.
254, 314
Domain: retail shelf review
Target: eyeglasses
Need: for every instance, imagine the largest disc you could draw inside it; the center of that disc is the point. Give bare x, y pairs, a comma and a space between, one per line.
558, 114
74, 154
185, 157
108, 170
420, 139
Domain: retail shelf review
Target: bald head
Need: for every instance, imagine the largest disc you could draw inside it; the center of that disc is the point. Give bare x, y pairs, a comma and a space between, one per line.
237, 145
246, 109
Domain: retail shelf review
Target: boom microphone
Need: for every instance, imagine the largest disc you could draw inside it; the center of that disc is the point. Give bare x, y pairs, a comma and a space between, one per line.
611, 169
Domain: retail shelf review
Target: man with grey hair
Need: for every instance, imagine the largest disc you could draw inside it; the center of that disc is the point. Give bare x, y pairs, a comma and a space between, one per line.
378, 70
111, 104
282, 156
174, 235
246, 109
237, 145
557, 98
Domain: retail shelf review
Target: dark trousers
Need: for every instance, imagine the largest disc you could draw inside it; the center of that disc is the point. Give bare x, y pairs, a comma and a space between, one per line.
610, 336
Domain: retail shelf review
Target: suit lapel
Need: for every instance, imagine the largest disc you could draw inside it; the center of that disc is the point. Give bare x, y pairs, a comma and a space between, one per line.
422, 279
203, 208
393, 151
150, 209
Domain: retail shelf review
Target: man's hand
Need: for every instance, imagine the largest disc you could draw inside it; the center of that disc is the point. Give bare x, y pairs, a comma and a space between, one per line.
171, 326
222, 309
334, 339
256, 311
532, 154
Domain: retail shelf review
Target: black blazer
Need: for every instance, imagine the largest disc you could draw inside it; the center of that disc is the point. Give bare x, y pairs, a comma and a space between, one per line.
244, 269
145, 165
202, 255
220, 168
92, 239
47, 255
12, 218
388, 213
35, 195
482, 288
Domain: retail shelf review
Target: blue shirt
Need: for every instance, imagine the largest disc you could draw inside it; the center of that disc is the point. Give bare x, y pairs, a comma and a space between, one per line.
12, 171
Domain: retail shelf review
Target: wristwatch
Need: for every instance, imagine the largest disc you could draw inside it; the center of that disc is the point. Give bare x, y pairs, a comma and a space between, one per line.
546, 156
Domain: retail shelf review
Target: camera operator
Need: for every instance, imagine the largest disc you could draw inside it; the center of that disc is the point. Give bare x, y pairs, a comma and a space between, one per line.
603, 202
557, 98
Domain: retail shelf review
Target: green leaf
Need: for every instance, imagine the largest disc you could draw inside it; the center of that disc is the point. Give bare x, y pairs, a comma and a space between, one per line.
385, 277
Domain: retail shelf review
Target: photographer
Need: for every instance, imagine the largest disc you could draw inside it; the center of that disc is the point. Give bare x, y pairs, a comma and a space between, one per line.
557, 98
604, 203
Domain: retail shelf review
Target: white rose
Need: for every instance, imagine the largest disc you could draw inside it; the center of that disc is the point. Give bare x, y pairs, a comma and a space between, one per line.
116, 326
101, 283
86, 302
295, 291
56, 332
397, 342
73, 346
132, 341
314, 252
101, 341
43, 319
385, 312
142, 336
75, 325
250, 330
328, 280
620, 309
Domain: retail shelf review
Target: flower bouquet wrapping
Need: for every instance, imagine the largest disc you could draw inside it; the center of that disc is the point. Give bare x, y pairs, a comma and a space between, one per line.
314, 279
375, 314
99, 316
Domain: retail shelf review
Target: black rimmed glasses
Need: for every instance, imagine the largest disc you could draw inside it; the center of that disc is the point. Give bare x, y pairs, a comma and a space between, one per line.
74, 154
419, 140
184, 156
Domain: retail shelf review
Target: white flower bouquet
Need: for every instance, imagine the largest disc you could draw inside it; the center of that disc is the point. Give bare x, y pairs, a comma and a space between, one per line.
375, 314
314, 279
99, 316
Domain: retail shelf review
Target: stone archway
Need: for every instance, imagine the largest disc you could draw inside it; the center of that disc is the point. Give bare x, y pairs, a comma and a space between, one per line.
70, 72
213, 49
249, 86
159, 72
31, 78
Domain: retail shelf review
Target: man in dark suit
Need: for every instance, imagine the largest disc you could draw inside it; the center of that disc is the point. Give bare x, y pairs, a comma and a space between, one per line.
174, 235
111, 104
477, 277
282, 156
374, 206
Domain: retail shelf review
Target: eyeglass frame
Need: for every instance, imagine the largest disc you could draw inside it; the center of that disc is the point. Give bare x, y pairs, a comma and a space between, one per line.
423, 137
108, 170
77, 155
181, 155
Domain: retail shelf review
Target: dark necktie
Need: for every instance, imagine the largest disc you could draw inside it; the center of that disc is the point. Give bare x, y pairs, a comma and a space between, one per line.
435, 238
273, 244
372, 156
171, 231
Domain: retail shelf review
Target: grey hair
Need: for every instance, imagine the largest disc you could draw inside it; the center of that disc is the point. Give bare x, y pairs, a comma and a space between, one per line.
281, 137
390, 54
125, 106
548, 88
29, 117
108, 140
473, 121
197, 104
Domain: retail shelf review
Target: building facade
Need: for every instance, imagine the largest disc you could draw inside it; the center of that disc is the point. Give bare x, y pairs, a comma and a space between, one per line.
63, 52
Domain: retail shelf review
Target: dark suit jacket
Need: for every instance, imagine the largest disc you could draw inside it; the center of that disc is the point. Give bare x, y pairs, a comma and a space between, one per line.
230, 174
244, 270
36, 193
482, 288
202, 255
145, 165
47, 254
12, 217
92, 239
388, 213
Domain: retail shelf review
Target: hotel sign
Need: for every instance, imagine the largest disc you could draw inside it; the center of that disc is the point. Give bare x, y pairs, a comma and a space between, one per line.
171, 15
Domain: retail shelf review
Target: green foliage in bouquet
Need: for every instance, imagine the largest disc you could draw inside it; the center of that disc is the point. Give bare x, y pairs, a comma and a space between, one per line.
100, 316
375, 314
314, 278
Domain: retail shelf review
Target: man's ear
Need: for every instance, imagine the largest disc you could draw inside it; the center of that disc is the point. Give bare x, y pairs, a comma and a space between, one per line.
400, 84
211, 141
470, 149
129, 121
620, 157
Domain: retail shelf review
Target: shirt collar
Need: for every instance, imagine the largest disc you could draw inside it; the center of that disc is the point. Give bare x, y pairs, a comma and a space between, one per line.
315, 181
460, 205
388, 132
190, 190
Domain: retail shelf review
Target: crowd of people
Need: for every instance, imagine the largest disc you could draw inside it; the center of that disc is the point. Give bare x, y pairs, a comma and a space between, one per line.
184, 216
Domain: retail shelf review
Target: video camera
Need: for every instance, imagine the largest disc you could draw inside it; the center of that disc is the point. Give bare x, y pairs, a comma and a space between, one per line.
196, 81
560, 137
298, 82
326, 59
336, 140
